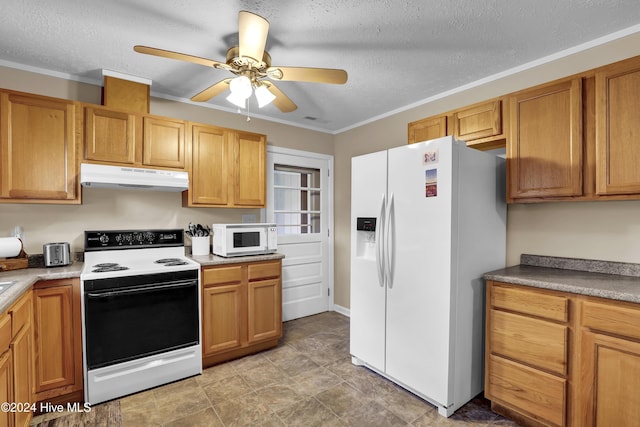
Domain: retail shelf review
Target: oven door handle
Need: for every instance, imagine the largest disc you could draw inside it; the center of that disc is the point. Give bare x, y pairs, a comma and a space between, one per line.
140, 290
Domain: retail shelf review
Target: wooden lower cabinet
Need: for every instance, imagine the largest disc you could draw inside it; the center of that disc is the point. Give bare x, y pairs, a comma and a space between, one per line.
610, 348
527, 356
58, 341
22, 354
16, 357
241, 309
561, 359
6, 386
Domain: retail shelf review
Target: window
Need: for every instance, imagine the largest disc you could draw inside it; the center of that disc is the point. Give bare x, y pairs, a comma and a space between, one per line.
296, 199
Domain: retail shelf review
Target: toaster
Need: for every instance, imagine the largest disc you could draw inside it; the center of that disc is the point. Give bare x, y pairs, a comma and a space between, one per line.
56, 254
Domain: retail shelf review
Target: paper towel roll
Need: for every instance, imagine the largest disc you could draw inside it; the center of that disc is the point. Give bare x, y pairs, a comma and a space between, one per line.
10, 247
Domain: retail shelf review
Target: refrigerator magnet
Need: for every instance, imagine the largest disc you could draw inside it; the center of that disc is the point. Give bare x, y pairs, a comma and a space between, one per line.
430, 157
431, 182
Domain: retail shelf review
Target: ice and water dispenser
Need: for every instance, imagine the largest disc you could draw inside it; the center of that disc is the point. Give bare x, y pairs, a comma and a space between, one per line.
366, 237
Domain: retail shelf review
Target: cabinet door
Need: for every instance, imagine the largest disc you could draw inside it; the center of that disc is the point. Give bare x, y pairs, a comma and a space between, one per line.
478, 121
38, 150
544, 153
618, 128
6, 387
22, 355
426, 129
21, 352
249, 169
210, 172
265, 310
110, 136
163, 143
57, 332
611, 381
222, 314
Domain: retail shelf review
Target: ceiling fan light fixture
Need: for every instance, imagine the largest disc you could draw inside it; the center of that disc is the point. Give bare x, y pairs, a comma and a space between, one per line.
237, 100
263, 96
241, 87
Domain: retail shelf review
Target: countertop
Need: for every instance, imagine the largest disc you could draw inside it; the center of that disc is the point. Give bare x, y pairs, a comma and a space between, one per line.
604, 279
211, 259
25, 278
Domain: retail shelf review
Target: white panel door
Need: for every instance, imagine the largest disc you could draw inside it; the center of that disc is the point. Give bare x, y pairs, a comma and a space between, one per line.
299, 202
368, 292
418, 294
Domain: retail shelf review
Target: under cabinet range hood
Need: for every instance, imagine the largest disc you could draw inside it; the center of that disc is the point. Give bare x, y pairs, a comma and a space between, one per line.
104, 176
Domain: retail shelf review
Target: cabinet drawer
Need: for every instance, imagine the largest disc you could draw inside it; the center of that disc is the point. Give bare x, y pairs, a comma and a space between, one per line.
531, 302
217, 275
21, 314
264, 270
532, 341
5, 332
615, 319
527, 389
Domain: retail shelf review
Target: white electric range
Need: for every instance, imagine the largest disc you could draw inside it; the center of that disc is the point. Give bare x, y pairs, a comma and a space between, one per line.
140, 312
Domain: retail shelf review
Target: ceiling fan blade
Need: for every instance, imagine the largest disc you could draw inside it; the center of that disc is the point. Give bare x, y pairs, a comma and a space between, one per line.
252, 35
212, 91
301, 74
180, 56
282, 101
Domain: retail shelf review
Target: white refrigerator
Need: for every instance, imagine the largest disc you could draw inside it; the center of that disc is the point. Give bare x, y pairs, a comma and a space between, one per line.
427, 221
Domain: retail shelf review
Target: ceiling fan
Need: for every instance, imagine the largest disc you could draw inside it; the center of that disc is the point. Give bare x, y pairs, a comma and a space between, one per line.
251, 64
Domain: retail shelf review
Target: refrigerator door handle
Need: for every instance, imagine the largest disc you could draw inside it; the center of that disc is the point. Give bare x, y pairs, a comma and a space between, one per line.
380, 242
390, 241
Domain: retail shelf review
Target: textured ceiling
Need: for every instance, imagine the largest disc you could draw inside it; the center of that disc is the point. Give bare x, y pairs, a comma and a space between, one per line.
396, 53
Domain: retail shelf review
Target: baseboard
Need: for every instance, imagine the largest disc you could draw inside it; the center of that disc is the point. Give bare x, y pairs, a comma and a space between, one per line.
342, 310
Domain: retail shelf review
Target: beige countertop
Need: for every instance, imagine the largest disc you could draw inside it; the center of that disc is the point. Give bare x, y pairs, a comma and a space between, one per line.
211, 259
25, 278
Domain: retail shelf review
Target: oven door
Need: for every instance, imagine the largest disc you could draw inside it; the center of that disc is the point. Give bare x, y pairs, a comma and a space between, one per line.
127, 318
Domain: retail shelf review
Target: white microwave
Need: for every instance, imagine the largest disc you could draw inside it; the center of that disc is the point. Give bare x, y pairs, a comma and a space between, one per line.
244, 239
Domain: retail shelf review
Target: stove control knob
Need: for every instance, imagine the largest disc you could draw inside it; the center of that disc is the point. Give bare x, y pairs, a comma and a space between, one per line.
139, 237
119, 238
149, 236
104, 238
128, 237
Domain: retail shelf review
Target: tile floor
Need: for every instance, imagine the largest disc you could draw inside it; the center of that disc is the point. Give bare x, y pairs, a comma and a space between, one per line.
308, 380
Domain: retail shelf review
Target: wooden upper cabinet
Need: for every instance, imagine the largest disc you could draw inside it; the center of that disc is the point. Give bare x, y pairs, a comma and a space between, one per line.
478, 121
110, 135
208, 184
132, 139
426, 129
228, 168
249, 169
480, 125
39, 154
618, 128
164, 143
544, 152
